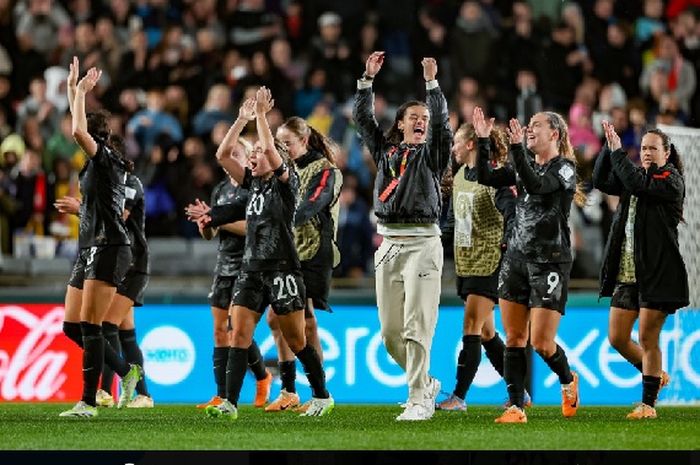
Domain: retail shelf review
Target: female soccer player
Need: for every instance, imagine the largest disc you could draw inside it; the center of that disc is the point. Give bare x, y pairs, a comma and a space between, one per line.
270, 272
533, 283
480, 218
228, 265
410, 161
105, 253
643, 269
315, 228
118, 326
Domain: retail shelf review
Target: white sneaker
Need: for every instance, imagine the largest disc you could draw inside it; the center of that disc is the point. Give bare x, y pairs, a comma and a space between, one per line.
416, 412
431, 392
141, 401
319, 407
104, 398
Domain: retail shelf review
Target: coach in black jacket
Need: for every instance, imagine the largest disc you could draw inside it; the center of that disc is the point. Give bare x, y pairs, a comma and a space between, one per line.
410, 161
643, 269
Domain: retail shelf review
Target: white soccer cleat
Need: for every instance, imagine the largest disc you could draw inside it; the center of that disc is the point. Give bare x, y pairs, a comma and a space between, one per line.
141, 401
319, 407
80, 410
104, 398
128, 385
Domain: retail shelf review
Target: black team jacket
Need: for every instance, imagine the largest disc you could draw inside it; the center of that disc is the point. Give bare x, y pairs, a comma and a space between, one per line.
660, 191
416, 198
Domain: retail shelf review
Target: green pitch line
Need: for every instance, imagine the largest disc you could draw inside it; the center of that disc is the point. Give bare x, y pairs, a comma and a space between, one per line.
350, 427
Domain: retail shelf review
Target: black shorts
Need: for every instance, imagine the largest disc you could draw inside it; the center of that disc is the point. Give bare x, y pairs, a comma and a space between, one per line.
317, 281
133, 286
108, 263
543, 285
485, 286
283, 290
221, 291
626, 296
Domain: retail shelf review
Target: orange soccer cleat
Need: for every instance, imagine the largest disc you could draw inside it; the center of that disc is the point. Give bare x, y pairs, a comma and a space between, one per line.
262, 390
570, 397
512, 414
641, 412
285, 401
214, 401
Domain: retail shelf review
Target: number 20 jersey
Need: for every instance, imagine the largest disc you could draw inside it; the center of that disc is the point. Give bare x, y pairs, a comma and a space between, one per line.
269, 243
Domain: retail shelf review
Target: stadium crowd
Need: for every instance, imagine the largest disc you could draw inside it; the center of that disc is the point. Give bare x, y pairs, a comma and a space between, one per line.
174, 73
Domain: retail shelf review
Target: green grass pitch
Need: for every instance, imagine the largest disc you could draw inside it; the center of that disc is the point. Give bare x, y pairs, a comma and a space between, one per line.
349, 427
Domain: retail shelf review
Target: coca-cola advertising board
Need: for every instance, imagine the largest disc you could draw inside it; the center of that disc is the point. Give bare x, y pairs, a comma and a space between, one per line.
37, 362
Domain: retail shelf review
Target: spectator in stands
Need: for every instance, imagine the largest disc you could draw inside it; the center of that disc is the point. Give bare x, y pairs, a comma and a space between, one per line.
61, 145
251, 26
149, 123
355, 231
37, 106
472, 40
650, 24
583, 138
619, 61
332, 53
561, 67
675, 72
38, 24
216, 109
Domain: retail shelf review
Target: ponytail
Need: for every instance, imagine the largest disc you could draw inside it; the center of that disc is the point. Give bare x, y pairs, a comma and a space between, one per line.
316, 141
566, 150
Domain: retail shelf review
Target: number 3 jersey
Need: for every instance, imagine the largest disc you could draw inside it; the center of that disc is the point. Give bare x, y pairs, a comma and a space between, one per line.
102, 187
269, 242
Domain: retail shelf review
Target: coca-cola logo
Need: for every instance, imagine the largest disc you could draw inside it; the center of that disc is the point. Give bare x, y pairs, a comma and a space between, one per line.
32, 360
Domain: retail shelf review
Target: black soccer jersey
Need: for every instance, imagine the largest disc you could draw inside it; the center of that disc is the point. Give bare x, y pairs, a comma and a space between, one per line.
136, 223
545, 192
269, 243
228, 260
102, 187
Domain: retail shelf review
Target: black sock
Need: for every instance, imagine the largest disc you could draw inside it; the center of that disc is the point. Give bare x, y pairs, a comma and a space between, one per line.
560, 365
467, 364
114, 360
235, 372
514, 369
288, 375
650, 389
93, 359
495, 348
73, 332
133, 355
255, 362
638, 366
220, 359
314, 371
110, 331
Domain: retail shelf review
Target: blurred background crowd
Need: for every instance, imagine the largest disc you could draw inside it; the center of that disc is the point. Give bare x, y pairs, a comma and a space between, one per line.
175, 71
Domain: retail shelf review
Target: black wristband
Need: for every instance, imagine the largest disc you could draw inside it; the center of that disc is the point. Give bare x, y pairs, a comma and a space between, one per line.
280, 170
366, 77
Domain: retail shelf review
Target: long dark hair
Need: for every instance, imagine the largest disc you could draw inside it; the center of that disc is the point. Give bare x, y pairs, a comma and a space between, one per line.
674, 157
316, 141
98, 124
116, 143
394, 135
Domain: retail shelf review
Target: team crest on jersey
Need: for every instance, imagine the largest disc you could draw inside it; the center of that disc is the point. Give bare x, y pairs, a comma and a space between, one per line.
566, 172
